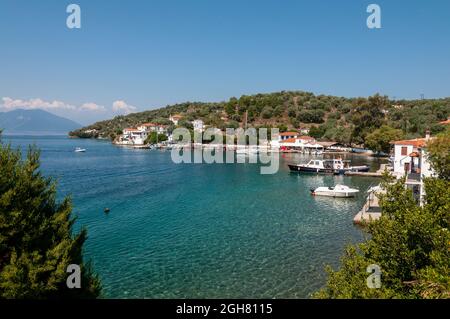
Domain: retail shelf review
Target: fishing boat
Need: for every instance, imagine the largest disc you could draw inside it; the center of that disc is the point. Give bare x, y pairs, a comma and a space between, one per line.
80, 150
330, 166
327, 166
341, 191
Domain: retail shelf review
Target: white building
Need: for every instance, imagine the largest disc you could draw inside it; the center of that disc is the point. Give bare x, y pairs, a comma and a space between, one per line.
300, 143
411, 159
175, 118
153, 127
287, 135
133, 136
199, 125
304, 131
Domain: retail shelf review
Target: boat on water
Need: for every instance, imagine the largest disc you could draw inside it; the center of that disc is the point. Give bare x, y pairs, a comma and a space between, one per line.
341, 191
247, 150
327, 166
361, 168
80, 150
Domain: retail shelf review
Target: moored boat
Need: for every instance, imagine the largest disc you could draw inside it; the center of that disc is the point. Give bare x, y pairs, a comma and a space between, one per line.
341, 191
328, 166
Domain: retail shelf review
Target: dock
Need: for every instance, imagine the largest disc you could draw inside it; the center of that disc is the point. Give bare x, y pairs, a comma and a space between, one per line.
371, 210
379, 173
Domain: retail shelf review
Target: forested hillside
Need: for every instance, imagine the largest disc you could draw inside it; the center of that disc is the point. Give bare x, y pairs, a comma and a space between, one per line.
346, 120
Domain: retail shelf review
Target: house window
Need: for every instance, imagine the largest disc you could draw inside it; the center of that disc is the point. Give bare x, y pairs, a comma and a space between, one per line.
404, 151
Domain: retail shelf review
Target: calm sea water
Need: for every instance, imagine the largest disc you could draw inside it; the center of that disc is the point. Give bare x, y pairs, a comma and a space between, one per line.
199, 230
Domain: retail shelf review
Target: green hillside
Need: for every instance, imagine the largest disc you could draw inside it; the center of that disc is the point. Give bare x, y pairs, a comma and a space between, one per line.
346, 120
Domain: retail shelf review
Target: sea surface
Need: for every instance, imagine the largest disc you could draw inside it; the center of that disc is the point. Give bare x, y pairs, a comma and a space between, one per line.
201, 230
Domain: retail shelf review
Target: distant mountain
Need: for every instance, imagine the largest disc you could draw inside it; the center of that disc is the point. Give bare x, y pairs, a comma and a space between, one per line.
35, 122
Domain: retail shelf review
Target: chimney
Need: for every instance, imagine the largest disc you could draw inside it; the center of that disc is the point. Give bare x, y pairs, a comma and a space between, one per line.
427, 135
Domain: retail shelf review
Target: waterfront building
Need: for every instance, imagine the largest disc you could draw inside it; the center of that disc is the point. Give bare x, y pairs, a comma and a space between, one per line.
411, 160
301, 143
287, 135
153, 127
133, 136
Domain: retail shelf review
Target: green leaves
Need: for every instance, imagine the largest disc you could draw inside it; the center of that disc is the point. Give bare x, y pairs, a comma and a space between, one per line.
410, 243
379, 140
439, 153
354, 117
36, 239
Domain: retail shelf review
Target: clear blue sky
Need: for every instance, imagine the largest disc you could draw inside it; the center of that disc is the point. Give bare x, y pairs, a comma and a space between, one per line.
149, 54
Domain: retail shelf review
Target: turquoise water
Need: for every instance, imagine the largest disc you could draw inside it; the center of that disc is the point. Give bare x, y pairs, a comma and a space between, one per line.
199, 230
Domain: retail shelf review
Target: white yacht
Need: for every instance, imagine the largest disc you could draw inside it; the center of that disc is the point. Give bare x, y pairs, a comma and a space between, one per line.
80, 150
337, 191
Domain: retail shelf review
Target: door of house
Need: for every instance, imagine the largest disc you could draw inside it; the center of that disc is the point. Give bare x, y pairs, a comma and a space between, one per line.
407, 166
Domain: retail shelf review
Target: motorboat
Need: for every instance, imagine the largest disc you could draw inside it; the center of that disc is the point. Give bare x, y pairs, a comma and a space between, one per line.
80, 150
330, 166
341, 191
360, 168
247, 150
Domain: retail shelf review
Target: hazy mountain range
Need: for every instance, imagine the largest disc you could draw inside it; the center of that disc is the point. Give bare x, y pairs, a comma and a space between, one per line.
35, 122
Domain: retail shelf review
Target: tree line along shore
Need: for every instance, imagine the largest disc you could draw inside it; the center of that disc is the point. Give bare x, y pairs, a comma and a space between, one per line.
350, 121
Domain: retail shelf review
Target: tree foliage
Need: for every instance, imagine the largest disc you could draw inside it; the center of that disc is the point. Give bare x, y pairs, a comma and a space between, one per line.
36, 234
379, 140
154, 138
409, 243
356, 117
439, 153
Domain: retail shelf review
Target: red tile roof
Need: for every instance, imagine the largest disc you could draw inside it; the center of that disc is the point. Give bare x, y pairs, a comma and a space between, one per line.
289, 134
445, 122
289, 140
417, 142
309, 138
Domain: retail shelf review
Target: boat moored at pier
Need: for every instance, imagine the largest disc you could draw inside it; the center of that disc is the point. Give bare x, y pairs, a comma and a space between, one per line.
327, 166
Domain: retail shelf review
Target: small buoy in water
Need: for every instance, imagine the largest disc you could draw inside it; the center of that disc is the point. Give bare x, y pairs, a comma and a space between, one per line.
106, 210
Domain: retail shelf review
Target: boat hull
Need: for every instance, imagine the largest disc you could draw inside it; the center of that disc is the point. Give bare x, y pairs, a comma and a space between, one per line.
313, 170
359, 168
337, 191
334, 194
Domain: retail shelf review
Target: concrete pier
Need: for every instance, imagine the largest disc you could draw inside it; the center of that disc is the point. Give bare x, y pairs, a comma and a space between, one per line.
371, 210
378, 173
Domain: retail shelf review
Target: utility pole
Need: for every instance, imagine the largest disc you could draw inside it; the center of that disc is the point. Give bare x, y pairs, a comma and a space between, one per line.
246, 118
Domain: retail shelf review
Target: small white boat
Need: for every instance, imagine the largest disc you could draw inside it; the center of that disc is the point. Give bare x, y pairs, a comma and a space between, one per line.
337, 191
80, 150
247, 150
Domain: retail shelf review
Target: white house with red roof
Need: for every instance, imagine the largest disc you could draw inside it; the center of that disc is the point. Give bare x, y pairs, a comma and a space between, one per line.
411, 159
287, 135
297, 142
133, 136
175, 118
153, 127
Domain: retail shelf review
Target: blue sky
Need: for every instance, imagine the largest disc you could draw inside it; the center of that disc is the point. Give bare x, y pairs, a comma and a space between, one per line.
147, 54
